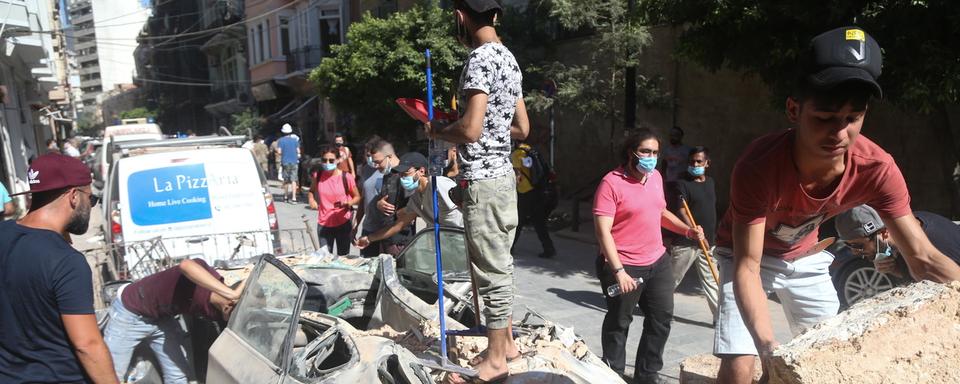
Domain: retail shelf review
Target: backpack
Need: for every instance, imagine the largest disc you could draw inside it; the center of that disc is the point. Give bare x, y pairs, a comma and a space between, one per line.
542, 177
540, 172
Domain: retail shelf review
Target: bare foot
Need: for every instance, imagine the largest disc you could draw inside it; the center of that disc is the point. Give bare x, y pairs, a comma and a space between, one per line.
486, 371
513, 353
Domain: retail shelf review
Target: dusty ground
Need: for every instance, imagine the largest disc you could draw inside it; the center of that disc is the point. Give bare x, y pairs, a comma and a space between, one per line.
906, 335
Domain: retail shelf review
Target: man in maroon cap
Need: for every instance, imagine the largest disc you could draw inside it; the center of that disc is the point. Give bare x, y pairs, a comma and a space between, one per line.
48, 330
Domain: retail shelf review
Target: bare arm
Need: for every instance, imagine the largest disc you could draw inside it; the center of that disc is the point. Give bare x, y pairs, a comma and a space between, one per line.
923, 259
9, 208
404, 218
673, 224
88, 344
747, 287
354, 196
353, 169
470, 127
603, 225
520, 126
200, 276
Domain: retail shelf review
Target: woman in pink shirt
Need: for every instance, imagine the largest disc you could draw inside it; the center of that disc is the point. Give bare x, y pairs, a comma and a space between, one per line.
336, 193
629, 209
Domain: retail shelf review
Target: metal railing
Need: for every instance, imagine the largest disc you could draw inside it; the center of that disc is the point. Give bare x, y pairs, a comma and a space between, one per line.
303, 58
137, 259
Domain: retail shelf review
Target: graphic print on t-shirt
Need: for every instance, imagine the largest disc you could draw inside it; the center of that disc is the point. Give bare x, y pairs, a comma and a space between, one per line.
493, 70
793, 234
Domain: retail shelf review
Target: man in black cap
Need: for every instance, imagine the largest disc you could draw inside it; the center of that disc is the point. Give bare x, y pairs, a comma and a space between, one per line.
786, 183
416, 185
492, 112
48, 329
863, 231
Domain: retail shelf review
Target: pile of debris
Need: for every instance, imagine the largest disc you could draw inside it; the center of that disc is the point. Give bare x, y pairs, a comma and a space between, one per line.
238, 270
906, 335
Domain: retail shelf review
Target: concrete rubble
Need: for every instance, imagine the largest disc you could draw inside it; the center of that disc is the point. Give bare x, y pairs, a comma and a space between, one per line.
906, 335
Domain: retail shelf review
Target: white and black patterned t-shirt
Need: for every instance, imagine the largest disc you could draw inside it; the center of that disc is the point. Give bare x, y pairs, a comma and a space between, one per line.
493, 70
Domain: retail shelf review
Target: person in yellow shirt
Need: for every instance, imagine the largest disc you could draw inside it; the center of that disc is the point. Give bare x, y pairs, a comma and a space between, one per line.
533, 178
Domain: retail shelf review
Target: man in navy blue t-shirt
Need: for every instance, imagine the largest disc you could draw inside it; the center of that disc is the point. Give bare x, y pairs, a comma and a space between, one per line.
48, 330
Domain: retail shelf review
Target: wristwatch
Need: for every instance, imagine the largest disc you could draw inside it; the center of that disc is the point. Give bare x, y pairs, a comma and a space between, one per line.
616, 271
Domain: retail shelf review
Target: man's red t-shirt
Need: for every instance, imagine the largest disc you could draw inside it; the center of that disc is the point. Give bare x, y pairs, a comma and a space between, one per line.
765, 186
170, 293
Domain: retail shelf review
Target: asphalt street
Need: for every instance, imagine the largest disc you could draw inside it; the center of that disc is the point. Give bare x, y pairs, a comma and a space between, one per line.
565, 290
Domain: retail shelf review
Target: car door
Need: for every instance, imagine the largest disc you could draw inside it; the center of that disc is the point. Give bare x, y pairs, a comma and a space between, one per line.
256, 345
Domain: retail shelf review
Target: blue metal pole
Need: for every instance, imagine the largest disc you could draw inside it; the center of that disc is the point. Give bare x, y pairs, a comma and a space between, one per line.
436, 226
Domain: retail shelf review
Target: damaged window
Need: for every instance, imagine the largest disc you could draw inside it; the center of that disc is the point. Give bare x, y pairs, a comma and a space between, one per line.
265, 313
417, 266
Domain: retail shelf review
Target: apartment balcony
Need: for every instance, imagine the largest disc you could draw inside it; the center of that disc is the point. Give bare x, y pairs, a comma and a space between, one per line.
82, 32
89, 70
85, 44
90, 83
88, 58
81, 19
304, 58
89, 96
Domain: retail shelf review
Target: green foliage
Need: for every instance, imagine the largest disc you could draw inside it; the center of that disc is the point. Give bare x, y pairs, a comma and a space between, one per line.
86, 125
384, 61
765, 37
137, 113
616, 44
245, 122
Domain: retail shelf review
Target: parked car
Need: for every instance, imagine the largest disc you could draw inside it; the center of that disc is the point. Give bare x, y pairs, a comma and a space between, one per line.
856, 278
122, 133
204, 197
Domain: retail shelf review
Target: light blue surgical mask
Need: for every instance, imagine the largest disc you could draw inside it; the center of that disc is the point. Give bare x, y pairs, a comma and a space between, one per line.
409, 183
646, 164
370, 162
329, 166
696, 171
888, 251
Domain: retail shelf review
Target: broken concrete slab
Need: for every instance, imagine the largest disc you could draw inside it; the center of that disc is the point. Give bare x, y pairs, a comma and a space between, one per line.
905, 335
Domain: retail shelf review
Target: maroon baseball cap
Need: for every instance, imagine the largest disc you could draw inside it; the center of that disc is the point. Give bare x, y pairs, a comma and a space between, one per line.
54, 171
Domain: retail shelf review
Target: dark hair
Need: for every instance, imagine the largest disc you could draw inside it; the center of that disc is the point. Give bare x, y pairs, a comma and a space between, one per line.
325, 149
480, 18
699, 149
632, 142
338, 134
40, 199
679, 129
371, 142
857, 93
257, 137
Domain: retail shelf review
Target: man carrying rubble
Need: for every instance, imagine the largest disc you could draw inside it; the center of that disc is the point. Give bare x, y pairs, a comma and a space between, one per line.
416, 183
786, 183
493, 112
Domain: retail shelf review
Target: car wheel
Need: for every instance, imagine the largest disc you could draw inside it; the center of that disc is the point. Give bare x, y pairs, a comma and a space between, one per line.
860, 280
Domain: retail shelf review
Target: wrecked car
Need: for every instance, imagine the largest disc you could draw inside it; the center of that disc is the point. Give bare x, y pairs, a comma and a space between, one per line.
318, 318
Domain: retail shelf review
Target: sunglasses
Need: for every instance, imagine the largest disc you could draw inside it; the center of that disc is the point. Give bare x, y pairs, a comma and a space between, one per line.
94, 199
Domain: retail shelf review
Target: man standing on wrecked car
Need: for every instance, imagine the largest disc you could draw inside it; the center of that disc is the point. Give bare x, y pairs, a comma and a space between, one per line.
490, 90
145, 312
48, 330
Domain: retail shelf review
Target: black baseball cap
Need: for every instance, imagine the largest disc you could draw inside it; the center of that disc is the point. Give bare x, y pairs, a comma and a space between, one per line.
410, 160
841, 55
481, 6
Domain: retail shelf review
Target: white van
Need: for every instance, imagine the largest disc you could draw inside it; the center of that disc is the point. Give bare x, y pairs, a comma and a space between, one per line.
211, 203
122, 133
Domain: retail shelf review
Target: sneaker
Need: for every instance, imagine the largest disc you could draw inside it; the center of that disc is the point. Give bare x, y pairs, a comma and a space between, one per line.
650, 378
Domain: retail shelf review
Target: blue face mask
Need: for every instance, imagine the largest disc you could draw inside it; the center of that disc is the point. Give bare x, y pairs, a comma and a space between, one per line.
885, 254
370, 162
409, 183
329, 166
646, 164
696, 171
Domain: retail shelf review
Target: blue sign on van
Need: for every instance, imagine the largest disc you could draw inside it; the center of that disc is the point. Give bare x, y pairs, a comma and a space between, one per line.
169, 195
